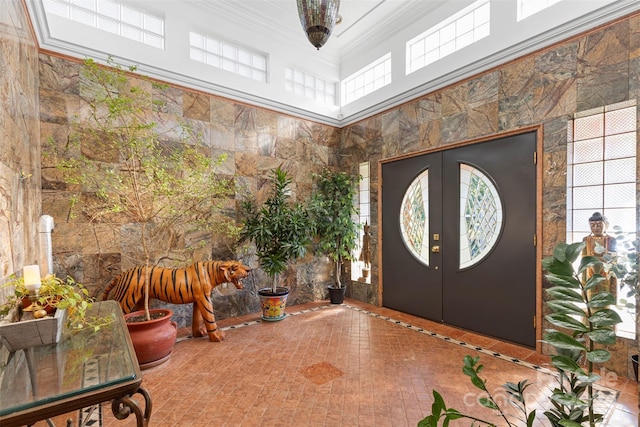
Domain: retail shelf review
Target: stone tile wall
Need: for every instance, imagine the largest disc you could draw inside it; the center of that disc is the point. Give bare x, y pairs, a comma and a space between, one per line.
19, 149
255, 141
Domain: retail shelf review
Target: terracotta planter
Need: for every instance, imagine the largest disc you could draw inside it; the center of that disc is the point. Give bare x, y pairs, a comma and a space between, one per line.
153, 339
273, 303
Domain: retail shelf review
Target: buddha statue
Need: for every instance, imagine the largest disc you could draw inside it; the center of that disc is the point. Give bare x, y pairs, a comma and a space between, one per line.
597, 244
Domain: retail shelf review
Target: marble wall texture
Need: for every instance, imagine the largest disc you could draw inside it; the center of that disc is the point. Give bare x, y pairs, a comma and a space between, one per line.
19, 148
40, 95
254, 140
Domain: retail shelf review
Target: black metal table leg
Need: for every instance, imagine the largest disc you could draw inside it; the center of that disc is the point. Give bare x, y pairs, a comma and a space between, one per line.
124, 406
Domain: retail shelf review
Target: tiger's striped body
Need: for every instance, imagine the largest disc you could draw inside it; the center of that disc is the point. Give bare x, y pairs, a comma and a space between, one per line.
192, 284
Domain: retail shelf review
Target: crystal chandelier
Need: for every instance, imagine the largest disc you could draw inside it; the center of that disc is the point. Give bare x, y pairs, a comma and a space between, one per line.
318, 18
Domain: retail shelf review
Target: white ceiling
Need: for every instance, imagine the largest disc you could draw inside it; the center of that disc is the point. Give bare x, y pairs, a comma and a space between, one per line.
369, 29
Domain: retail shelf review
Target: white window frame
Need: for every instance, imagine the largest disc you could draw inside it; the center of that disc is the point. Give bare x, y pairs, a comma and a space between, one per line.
364, 217
310, 86
454, 33
527, 8
592, 177
113, 17
228, 56
367, 80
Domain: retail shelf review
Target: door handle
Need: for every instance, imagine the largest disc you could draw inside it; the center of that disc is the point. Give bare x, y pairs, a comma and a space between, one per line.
435, 249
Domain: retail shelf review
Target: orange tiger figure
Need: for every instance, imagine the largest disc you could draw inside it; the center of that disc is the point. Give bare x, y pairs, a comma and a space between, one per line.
192, 284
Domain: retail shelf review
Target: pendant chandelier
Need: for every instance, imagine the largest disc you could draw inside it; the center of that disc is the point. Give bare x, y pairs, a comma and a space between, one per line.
318, 18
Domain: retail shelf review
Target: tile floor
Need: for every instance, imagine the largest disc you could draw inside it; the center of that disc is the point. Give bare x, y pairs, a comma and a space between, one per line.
343, 365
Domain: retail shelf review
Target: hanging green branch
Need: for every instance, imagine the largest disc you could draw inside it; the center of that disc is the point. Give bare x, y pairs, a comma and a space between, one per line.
127, 168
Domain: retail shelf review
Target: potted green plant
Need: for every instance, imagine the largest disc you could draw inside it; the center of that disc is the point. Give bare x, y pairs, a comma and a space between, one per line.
337, 232
56, 303
585, 327
149, 180
281, 230
625, 266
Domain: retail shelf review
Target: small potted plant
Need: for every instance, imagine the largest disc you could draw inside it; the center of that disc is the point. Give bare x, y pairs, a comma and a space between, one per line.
336, 230
281, 230
29, 318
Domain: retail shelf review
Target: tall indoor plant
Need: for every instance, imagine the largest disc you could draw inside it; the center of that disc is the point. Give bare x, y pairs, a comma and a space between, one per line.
281, 230
585, 326
149, 181
336, 230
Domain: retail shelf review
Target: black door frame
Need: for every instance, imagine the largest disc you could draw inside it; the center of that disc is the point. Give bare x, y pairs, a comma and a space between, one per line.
538, 234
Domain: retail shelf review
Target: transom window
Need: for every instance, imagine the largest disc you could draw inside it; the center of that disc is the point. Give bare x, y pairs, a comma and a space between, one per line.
527, 8
114, 17
227, 56
368, 79
305, 84
462, 29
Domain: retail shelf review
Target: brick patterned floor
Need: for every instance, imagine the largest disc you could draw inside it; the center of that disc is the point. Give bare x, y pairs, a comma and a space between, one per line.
342, 365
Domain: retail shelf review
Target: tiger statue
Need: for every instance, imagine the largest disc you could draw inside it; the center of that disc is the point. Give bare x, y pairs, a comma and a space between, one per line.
180, 286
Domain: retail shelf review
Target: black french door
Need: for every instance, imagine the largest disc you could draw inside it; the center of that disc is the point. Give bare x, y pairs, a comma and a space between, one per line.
468, 258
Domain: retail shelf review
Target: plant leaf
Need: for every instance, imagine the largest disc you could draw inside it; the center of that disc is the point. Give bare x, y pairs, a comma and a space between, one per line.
566, 364
561, 340
565, 307
563, 293
602, 299
588, 262
568, 399
487, 403
569, 423
565, 321
573, 251
598, 356
531, 418
558, 267
562, 280
605, 317
603, 336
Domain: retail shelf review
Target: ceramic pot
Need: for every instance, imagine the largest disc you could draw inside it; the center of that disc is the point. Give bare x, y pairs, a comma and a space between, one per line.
153, 339
336, 295
273, 303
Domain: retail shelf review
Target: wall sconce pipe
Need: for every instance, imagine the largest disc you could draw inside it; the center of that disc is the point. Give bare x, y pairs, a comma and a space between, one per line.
46, 250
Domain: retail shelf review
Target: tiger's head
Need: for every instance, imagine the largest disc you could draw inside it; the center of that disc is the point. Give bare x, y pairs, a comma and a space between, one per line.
234, 272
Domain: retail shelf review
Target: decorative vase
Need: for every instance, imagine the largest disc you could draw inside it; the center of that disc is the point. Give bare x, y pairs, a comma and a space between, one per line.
153, 339
273, 303
336, 295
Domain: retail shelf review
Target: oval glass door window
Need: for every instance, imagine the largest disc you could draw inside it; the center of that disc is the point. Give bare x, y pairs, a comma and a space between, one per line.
414, 218
480, 215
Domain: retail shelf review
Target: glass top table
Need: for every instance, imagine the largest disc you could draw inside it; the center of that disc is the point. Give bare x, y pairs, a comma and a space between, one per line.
85, 368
